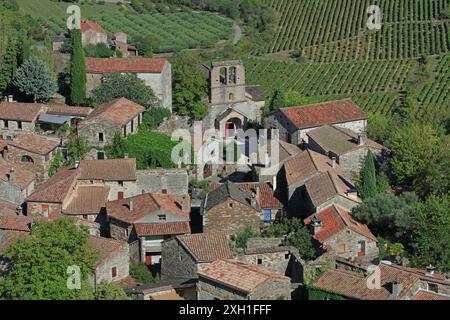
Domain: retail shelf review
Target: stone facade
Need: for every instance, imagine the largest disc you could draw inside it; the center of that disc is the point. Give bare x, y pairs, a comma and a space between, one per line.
170, 181
44, 209
93, 37
120, 261
14, 194
271, 290
230, 217
227, 82
11, 129
176, 262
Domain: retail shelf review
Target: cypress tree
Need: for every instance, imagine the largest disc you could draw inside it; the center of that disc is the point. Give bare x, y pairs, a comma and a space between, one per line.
369, 179
77, 70
8, 66
278, 100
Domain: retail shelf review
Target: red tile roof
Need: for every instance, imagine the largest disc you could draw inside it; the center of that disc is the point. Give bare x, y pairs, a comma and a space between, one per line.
119, 111
335, 219
354, 285
332, 112
68, 110
27, 112
55, 189
123, 65
427, 295
163, 228
105, 247
88, 199
17, 223
34, 144
267, 198
147, 204
7, 208
22, 177
108, 170
206, 247
239, 275
89, 25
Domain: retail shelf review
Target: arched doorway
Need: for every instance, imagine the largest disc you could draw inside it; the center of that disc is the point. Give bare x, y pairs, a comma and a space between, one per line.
27, 159
232, 125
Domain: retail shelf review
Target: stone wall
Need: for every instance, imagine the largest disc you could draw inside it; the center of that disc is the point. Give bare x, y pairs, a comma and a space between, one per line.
37, 209
13, 129
351, 239
161, 85
120, 260
120, 230
93, 37
174, 181
11, 193
222, 218
90, 130
230, 91
176, 261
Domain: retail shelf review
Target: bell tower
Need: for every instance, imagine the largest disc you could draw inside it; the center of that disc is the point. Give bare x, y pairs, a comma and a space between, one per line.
227, 82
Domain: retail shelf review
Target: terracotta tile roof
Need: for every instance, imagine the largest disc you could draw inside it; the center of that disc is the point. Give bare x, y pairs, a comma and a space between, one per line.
206, 247
354, 285
124, 65
22, 177
34, 143
8, 237
340, 141
424, 275
428, 295
108, 170
267, 198
55, 189
27, 112
89, 199
17, 223
147, 204
7, 208
239, 275
334, 219
119, 111
105, 247
68, 110
332, 112
163, 228
86, 25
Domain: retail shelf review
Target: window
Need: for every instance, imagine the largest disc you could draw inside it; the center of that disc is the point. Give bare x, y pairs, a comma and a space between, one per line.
125, 131
45, 208
27, 159
100, 155
231, 205
260, 261
164, 191
114, 272
342, 248
361, 248
162, 217
101, 137
120, 183
85, 217
19, 125
127, 232
287, 256
6, 123
132, 126
120, 195
230, 97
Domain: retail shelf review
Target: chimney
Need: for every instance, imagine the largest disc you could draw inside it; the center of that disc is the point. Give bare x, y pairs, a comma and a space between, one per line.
333, 162
396, 289
19, 210
11, 176
360, 140
184, 204
9, 98
316, 224
430, 271
274, 183
125, 156
77, 164
130, 204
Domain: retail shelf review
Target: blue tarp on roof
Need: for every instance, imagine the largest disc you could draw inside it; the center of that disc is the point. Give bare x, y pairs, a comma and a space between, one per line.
53, 119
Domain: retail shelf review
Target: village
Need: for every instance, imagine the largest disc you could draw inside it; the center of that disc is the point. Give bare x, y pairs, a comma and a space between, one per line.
203, 231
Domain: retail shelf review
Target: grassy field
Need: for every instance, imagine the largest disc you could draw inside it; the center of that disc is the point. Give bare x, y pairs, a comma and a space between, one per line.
176, 31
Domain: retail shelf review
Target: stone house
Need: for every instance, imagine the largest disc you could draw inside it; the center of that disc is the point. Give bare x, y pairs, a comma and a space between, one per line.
338, 233
271, 254
310, 181
92, 33
346, 146
155, 72
120, 43
168, 289
65, 114
18, 118
83, 190
183, 256
271, 207
236, 280
113, 259
16, 183
230, 209
295, 122
118, 116
146, 220
161, 180
33, 152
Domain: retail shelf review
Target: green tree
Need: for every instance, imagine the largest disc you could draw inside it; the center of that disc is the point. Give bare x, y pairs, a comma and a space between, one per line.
57, 162
242, 237
140, 272
40, 263
189, 86
153, 117
369, 178
412, 148
118, 147
380, 127
77, 149
129, 86
110, 291
34, 79
431, 242
99, 50
77, 70
8, 66
388, 216
146, 44
278, 100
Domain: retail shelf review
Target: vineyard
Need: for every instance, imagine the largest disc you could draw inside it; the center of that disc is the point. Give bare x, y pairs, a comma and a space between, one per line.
176, 31
335, 30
